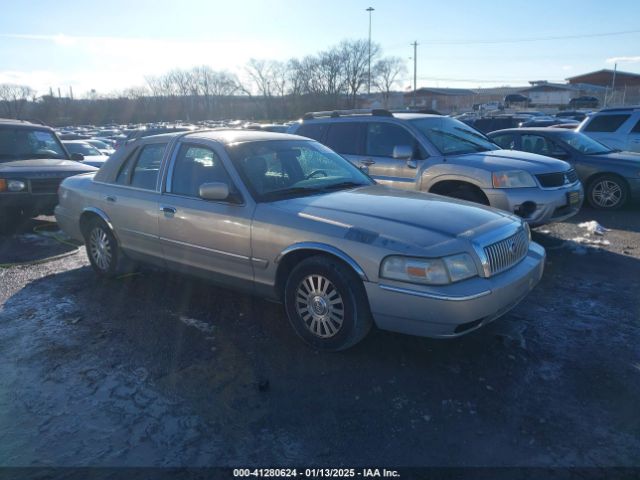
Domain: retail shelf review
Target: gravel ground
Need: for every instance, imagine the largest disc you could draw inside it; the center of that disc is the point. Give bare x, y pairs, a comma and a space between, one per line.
160, 370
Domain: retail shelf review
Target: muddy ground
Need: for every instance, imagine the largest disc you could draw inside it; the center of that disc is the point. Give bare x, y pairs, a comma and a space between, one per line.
158, 369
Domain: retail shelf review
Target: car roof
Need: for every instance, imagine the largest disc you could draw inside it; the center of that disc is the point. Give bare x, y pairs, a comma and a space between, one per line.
229, 136
529, 130
11, 122
75, 141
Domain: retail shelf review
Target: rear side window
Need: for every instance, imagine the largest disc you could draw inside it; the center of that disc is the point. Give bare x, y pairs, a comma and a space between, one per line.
312, 130
505, 140
344, 138
636, 128
383, 137
606, 123
147, 167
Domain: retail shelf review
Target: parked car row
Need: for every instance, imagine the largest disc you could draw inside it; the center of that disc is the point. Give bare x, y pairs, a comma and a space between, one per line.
344, 240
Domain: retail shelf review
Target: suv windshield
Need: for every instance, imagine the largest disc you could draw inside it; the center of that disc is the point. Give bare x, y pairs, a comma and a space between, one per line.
26, 143
83, 148
452, 137
584, 144
278, 169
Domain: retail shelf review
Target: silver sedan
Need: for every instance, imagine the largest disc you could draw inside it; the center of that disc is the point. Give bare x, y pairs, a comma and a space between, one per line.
284, 217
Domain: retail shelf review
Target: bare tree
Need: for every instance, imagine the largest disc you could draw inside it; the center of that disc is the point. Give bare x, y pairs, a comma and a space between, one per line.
354, 55
386, 73
14, 98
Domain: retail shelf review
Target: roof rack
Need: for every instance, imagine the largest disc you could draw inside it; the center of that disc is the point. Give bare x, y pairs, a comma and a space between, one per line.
618, 109
376, 112
428, 111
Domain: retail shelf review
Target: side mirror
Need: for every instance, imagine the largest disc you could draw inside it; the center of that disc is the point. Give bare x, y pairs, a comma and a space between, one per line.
78, 157
402, 152
214, 191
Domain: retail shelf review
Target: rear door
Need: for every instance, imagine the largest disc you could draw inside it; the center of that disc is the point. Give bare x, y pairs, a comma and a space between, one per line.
205, 235
131, 202
346, 138
608, 128
634, 136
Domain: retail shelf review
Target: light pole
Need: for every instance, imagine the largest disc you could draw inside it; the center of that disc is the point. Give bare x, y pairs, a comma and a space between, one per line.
370, 9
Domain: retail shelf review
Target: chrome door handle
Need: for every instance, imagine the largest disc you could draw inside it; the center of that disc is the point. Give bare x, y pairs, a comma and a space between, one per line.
109, 198
167, 209
367, 162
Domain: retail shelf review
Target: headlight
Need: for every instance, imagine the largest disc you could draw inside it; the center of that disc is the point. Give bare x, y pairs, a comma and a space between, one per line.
16, 185
429, 271
513, 179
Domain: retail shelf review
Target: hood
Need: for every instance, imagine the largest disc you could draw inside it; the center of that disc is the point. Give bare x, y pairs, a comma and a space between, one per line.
44, 165
512, 160
398, 219
623, 159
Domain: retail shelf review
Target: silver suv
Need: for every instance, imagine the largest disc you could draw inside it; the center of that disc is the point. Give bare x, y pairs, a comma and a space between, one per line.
439, 154
617, 128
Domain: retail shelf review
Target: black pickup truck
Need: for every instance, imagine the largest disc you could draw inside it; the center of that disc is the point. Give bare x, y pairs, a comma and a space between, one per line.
33, 162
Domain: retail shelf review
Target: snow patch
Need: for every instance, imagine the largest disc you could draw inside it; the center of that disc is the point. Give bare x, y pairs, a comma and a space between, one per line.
594, 227
204, 327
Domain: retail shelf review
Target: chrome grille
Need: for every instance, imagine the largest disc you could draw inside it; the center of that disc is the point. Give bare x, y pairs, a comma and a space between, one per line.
506, 253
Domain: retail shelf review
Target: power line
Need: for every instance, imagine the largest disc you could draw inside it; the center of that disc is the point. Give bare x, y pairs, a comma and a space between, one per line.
527, 39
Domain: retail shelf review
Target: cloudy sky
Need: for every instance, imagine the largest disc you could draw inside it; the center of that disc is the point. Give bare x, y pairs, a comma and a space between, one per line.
112, 45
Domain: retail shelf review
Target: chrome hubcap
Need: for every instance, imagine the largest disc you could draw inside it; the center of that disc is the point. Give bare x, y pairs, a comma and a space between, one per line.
606, 193
320, 306
100, 248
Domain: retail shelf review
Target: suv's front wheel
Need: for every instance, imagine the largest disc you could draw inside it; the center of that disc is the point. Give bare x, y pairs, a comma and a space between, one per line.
327, 304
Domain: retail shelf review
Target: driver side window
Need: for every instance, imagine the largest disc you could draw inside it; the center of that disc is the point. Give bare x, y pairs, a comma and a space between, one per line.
193, 166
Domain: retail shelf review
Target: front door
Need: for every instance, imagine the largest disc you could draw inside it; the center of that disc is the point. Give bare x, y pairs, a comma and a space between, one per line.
380, 140
198, 234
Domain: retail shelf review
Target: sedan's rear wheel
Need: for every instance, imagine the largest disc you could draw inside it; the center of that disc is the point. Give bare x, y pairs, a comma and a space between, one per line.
326, 304
102, 248
607, 192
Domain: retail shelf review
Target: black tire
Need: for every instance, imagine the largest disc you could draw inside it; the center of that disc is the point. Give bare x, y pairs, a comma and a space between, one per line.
352, 308
607, 192
96, 234
468, 193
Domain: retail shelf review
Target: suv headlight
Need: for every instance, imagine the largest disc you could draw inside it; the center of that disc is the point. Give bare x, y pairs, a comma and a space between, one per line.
429, 271
8, 185
513, 179
16, 185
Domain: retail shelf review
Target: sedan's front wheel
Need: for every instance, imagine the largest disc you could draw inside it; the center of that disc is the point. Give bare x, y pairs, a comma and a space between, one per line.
327, 304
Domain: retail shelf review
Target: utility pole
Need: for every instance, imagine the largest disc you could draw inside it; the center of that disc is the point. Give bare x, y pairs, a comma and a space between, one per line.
415, 69
613, 81
370, 9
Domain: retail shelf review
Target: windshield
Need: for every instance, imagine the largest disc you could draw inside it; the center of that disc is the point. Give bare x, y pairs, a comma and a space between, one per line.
584, 144
452, 137
83, 148
24, 144
278, 169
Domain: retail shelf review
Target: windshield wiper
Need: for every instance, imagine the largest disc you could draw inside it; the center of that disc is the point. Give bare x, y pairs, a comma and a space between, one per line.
343, 185
293, 191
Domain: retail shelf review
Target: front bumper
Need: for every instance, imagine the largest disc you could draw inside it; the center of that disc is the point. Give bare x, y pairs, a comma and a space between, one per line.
551, 204
457, 309
30, 204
